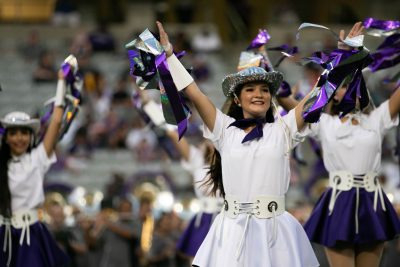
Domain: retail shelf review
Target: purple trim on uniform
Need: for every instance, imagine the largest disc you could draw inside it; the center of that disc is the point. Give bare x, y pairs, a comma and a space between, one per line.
43, 251
193, 236
326, 229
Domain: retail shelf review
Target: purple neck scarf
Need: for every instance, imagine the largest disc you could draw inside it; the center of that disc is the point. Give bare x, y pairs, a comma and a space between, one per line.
256, 132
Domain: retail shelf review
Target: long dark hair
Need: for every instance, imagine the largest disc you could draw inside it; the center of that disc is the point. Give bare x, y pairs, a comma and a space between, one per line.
5, 157
5, 194
215, 171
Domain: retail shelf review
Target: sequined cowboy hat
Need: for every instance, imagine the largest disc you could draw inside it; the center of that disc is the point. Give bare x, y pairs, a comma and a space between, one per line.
20, 119
251, 74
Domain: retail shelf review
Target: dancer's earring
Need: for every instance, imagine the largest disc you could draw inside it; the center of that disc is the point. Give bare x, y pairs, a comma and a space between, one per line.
237, 101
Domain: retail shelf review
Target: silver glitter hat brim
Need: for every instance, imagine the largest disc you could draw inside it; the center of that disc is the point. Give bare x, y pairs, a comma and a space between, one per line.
33, 124
273, 79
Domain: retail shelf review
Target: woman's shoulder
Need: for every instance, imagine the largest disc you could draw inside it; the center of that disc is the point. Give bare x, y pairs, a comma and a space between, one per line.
225, 117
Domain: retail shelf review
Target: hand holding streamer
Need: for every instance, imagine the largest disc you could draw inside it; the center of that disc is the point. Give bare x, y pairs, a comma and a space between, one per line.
339, 65
68, 96
148, 62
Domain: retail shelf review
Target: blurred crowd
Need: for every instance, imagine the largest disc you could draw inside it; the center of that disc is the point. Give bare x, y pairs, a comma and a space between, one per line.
116, 235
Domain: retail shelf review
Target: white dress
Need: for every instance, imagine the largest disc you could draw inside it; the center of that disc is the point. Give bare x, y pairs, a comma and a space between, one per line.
356, 148
343, 142
38, 248
257, 167
26, 174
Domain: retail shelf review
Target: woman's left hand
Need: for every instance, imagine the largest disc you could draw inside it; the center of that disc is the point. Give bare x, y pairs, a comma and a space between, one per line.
61, 75
164, 40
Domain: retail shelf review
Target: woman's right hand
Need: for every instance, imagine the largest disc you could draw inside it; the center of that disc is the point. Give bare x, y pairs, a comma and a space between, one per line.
355, 31
164, 41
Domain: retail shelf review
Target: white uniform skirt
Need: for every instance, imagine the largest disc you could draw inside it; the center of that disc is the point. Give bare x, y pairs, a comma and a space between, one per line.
260, 248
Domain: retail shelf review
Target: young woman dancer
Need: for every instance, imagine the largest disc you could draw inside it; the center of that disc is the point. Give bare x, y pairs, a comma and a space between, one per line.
353, 218
25, 239
252, 172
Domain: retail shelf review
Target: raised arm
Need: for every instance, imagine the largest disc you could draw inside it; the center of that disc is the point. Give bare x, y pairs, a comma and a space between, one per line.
394, 100
355, 31
394, 104
288, 103
201, 102
299, 112
51, 136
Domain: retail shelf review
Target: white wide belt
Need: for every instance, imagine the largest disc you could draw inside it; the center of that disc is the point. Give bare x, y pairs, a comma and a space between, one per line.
19, 220
262, 207
345, 180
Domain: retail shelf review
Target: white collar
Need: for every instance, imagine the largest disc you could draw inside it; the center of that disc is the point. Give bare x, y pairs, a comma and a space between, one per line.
16, 159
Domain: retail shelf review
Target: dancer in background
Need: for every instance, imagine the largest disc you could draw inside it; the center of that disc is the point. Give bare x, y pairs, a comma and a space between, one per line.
353, 218
25, 239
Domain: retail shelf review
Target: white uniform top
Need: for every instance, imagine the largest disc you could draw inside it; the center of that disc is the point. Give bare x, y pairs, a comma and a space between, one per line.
197, 167
354, 148
257, 167
25, 178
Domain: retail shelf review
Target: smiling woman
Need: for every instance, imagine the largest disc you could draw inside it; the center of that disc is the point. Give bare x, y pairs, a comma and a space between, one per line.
22, 167
26, 240
250, 169
18, 139
255, 99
